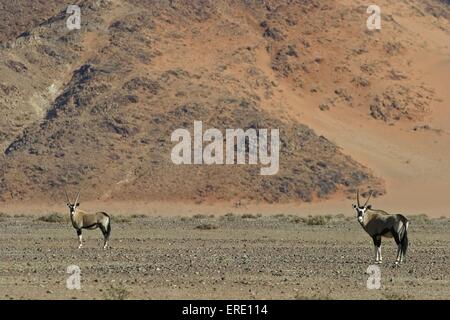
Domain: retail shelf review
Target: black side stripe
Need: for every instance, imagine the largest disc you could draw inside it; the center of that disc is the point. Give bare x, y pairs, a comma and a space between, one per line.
89, 226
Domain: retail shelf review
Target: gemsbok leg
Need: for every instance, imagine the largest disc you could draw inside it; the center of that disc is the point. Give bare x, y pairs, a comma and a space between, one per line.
377, 245
106, 230
399, 248
80, 238
404, 243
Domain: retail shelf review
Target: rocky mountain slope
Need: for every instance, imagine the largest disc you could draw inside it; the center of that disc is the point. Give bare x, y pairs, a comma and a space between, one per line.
94, 108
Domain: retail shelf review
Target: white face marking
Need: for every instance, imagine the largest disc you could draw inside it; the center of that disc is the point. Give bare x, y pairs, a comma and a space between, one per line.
361, 211
72, 208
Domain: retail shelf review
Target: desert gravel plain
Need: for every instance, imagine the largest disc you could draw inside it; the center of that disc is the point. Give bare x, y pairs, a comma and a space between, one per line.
219, 257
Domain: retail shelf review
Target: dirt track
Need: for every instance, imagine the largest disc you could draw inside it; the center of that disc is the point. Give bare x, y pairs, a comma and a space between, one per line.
258, 257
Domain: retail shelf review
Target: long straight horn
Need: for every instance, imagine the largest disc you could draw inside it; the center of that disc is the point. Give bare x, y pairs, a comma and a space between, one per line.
368, 198
357, 197
78, 195
67, 197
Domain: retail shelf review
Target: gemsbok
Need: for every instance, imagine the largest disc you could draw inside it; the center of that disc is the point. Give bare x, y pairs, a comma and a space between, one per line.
90, 221
378, 223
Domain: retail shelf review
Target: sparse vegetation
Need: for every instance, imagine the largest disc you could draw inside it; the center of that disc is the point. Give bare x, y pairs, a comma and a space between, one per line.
298, 220
118, 292
395, 295
3, 216
426, 127
315, 295
206, 226
138, 216
199, 216
54, 218
120, 219
419, 218
249, 216
230, 216
317, 220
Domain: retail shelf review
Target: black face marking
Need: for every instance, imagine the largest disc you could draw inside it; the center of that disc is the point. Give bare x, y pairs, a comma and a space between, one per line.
360, 211
72, 207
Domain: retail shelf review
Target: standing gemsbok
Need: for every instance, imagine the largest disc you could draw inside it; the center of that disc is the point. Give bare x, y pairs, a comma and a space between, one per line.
379, 223
84, 220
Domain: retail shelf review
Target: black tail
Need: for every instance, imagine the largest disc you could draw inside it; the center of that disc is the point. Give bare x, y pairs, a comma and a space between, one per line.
108, 228
404, 242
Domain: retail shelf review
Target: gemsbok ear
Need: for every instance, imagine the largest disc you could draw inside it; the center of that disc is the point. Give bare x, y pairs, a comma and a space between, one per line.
78, 204
369, 206
354, 206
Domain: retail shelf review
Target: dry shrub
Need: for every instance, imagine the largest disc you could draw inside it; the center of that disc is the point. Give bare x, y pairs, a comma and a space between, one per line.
206, 226
54, 218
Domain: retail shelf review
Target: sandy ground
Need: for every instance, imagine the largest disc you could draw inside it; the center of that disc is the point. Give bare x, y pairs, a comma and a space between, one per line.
266, 257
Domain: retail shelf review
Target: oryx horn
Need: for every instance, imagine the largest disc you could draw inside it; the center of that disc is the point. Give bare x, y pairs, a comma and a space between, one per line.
370, 194
78, 196
67, 197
